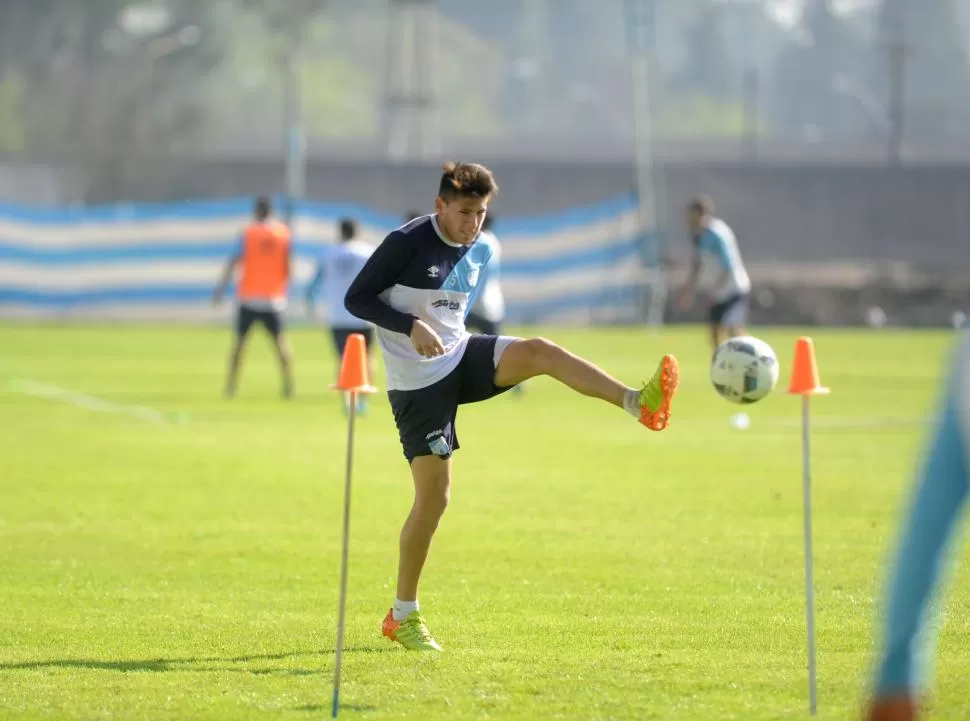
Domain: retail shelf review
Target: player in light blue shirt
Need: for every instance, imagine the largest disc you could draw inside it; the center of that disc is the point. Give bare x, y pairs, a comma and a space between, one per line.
927, 533
718, 269
336, 269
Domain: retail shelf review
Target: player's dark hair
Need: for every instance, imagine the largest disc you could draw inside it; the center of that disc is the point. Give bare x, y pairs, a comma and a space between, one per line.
466, 180
263, 207
487, 223
702, 205
348, 229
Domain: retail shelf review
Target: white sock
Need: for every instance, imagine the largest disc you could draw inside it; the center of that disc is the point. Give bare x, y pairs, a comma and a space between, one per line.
403, 609
631, 402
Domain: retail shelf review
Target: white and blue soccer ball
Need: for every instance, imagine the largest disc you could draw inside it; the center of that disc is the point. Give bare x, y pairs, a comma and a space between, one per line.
744, 369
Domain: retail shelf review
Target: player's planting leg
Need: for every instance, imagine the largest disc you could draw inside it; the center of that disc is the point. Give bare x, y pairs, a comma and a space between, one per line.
286, 364
235, 360
650, 404
432, 488
718, 336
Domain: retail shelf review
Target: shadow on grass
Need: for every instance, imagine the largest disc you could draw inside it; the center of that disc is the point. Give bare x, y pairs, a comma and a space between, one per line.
193, 664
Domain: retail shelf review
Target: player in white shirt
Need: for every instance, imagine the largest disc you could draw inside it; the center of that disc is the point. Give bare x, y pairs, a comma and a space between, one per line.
337, 267
718, 269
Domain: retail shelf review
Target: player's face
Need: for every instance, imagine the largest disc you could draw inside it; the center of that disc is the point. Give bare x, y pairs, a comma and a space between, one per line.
461, 219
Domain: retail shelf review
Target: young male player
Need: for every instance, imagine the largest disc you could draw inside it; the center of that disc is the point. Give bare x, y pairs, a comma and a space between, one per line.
264, 253
717, 266
927, 532
336, 269
417, 288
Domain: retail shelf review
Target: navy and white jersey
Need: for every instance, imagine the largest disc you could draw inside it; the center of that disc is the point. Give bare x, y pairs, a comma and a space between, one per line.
418, 273
721, 268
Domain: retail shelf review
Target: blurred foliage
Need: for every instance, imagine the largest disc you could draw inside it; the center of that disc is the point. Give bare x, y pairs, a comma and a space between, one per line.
111, 85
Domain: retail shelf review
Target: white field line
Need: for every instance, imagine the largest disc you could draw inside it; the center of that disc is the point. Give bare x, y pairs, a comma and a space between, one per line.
91, 403
820, 422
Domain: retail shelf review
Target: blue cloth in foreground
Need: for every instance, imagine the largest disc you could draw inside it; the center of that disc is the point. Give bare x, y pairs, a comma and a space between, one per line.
930, 525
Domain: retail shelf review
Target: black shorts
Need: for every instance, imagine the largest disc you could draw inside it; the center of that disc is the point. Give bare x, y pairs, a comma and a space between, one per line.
482, 324
340, 336
272, 320
425, 417
731, 311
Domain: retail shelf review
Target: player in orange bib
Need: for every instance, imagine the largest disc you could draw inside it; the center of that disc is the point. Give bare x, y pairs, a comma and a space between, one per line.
264, 255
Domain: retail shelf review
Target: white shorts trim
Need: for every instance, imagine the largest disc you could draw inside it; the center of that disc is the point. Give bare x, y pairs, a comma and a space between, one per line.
502, 342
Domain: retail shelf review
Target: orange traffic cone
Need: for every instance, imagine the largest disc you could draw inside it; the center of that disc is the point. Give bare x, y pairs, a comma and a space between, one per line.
353, 375
804, 370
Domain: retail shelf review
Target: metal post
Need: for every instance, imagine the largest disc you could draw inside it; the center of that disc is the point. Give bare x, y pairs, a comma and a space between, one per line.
294, 139
344, 558
809, 571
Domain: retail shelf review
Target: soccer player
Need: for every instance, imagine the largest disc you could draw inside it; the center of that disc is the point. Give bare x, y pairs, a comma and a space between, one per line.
417, 288
927, 532
336, 268
264, 254
717, 266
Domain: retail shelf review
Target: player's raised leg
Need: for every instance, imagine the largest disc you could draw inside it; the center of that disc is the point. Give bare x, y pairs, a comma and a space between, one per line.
650, 404
432, 489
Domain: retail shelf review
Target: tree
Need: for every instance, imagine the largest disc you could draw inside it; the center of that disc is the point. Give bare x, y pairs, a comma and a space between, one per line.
817, 83
935, 78
110, 87
709, 70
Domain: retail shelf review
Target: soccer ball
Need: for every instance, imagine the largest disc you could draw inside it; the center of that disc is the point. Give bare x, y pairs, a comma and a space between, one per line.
744, 369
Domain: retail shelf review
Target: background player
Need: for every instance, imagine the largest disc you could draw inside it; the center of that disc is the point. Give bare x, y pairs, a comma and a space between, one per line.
336, 268
417, 288
488, 313
927, 532
265, 256
717, 267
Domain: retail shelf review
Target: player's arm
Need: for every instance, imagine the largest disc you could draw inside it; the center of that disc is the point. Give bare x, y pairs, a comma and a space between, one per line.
930, 523
381, 271
288, 260
227, 273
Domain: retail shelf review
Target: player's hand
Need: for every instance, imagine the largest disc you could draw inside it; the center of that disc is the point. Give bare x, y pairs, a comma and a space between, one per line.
685, 300
425, 341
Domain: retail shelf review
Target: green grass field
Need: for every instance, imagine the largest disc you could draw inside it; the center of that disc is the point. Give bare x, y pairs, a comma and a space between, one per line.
586, 569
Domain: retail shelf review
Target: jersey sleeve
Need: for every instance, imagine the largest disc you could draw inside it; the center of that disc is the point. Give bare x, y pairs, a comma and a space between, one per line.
381, 271
939, 496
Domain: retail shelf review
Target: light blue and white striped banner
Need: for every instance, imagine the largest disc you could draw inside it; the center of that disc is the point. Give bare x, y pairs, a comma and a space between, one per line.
162, 261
